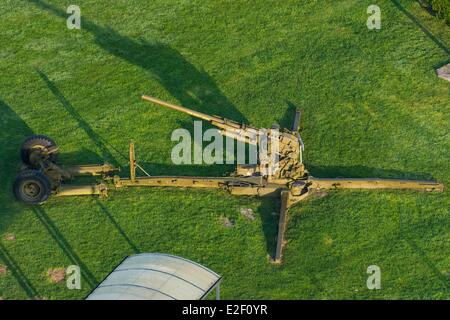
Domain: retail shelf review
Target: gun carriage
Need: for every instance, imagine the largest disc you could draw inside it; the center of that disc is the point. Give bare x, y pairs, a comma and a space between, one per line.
280, 175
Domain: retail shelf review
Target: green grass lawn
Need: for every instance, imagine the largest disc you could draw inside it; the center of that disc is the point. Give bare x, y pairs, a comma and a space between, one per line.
372, 107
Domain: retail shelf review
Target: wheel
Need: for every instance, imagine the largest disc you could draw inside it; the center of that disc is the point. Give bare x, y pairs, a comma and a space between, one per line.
36, 142
32, 187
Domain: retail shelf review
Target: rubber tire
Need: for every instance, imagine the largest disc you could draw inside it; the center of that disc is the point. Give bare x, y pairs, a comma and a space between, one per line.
36, 177
33, 141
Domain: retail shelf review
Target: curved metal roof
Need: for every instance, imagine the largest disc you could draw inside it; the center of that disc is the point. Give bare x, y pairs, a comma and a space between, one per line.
156, 276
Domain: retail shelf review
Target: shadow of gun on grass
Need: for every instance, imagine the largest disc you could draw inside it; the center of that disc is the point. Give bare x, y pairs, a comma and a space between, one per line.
191, 87
427, 32
406, 229
100, 143
444, 280
14, 131
268, 208
17, 273
64, 245
111, 218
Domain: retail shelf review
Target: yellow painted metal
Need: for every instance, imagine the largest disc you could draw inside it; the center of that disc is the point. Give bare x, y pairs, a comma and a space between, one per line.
239, 135
291, 182
182, 109
259, 191
288, 142
180, 181
94, 169
297, 194
246, 170
71, 190
287, 201
355, 183
132, 162
296, 124
282, 223
163, 181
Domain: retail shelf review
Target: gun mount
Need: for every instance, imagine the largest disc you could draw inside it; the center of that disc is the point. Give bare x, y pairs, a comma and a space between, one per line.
41, 176
289, 146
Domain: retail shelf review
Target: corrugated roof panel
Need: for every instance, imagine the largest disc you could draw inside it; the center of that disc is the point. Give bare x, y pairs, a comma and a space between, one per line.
156, 276
127, 293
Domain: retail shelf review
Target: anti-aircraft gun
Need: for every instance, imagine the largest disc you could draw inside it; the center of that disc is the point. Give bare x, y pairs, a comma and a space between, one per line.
284, 173
283, 159
280, 172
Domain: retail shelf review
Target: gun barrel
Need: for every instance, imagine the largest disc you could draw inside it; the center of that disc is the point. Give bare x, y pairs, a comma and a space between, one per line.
182, 109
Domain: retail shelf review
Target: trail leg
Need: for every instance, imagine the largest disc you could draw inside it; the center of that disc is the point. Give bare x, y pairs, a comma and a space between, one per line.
282, 226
